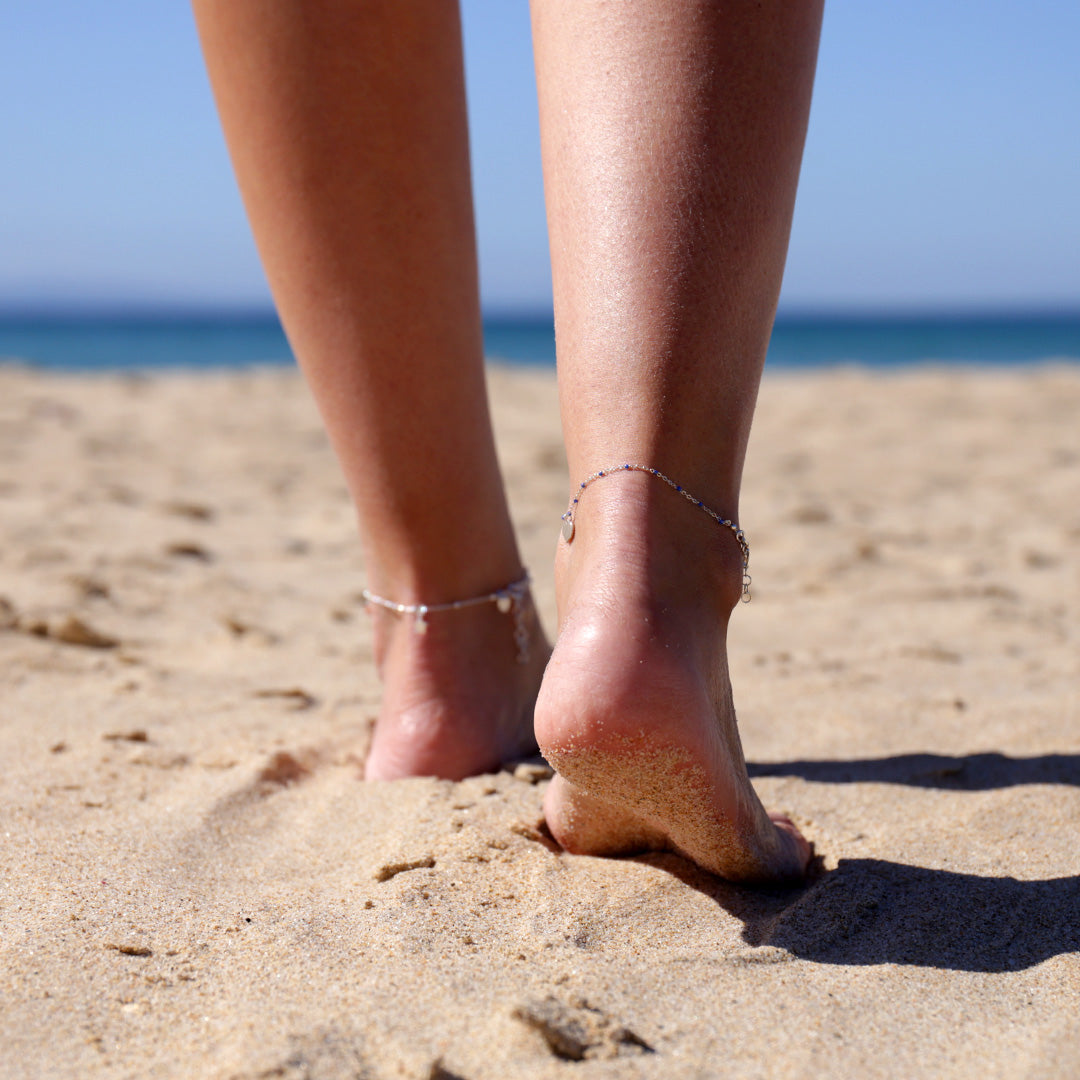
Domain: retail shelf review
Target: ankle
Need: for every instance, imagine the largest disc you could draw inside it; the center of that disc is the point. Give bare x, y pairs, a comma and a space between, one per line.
469, 553
512, 601
639, 544
437, 579
502, 623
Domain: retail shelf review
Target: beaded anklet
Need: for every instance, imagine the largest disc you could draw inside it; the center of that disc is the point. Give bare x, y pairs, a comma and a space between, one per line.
740, 536
512, 599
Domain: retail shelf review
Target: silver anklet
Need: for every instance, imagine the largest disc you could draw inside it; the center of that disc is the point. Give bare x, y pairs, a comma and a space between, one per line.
740, 536
512, 599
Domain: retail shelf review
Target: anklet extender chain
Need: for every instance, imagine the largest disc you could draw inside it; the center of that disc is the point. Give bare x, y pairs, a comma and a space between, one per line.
511, 599
740, 536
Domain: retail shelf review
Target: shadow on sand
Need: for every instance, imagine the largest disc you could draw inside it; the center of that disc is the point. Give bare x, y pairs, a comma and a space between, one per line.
871, 911
972, 772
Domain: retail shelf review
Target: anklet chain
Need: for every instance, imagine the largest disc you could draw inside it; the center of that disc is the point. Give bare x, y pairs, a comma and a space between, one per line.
740, 536
512, 599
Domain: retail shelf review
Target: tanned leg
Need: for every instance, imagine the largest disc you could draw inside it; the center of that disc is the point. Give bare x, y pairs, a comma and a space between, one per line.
672, 136
347, 128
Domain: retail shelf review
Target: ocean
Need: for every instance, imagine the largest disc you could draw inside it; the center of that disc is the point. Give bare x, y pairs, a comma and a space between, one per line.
145, 342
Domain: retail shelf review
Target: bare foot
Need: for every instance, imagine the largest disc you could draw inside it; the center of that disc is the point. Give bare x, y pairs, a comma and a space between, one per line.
456, 701
635, 712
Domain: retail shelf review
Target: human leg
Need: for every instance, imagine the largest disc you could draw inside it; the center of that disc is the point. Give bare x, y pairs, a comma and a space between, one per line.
347, 129
672, 133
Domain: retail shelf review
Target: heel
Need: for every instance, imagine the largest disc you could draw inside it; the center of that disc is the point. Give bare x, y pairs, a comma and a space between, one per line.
582, 824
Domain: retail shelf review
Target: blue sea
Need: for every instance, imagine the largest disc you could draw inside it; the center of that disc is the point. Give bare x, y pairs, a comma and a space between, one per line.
142, 342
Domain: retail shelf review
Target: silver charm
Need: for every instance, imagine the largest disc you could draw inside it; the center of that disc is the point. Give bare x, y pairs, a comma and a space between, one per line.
568, 529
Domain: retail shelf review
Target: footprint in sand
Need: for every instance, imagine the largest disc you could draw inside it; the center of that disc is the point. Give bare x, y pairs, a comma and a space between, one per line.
576, 1031
69, 631
285, 769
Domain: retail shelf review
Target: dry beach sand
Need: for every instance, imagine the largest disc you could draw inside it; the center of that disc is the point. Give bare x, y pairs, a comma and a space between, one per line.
195, 883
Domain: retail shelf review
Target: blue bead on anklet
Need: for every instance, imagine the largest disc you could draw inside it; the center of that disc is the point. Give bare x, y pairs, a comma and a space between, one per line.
740, 536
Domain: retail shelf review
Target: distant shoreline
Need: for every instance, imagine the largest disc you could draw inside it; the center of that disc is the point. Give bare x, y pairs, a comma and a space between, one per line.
102, 340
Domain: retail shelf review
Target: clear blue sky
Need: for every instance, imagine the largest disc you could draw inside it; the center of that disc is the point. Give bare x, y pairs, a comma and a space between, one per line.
942, 166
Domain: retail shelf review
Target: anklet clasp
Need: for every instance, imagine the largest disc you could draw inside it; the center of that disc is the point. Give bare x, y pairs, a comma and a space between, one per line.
512, 599
740, 536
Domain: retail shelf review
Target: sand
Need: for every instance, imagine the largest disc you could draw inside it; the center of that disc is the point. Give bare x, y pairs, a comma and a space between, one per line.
195, 882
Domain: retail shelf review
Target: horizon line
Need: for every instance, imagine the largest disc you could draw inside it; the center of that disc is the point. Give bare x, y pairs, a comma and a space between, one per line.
498, 313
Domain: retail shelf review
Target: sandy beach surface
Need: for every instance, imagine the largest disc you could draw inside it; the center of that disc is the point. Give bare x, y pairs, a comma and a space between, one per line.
195, 883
